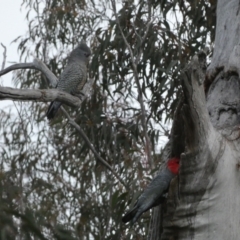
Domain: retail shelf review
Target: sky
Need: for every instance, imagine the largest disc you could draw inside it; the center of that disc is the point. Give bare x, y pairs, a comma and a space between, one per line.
12, 24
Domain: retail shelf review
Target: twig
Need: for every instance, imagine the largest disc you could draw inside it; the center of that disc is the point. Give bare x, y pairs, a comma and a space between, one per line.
149, 22
4, 56
140, 95
84, 136
166, 132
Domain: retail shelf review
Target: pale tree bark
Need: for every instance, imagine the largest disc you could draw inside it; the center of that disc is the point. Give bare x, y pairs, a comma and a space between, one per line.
39, 94
204, 199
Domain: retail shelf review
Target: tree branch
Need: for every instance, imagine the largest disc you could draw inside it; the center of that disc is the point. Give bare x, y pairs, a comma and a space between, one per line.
40, 66
46, 95
84, 136
37, 65
140, 95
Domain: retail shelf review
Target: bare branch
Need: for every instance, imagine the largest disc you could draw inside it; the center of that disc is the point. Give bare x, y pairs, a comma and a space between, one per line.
4, 56
98, 157
45, 95
140, 95
37, 65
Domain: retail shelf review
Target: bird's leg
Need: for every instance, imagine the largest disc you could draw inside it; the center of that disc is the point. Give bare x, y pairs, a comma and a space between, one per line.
78, 93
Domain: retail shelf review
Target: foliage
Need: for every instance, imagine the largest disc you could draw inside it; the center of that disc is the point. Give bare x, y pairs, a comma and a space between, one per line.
52, 187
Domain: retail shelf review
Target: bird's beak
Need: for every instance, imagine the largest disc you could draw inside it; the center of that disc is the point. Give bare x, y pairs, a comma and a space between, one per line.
87, 54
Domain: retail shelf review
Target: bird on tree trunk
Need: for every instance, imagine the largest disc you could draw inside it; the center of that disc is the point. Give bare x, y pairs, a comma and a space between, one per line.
73, 77
153, 194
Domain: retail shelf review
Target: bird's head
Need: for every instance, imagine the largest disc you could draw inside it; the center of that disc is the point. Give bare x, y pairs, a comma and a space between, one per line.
173, 165
82, 51
85, 49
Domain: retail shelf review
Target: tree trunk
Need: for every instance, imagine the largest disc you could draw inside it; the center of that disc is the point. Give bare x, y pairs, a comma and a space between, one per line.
204, 199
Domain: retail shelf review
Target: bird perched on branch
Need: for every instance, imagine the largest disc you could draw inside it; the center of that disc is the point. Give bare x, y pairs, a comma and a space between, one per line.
153, 194
73, 77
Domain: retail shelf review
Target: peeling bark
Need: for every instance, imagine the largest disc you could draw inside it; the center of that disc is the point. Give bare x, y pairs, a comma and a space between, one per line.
200, 199
198, 163
204, 199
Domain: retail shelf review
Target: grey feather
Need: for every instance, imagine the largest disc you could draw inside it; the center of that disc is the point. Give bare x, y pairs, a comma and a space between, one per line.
73, 77
151, 197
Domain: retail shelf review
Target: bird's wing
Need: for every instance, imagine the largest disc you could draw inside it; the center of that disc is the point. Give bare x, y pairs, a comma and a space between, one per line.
72, 76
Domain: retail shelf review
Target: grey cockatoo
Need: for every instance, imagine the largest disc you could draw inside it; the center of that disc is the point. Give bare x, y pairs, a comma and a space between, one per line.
153, 194
73, 76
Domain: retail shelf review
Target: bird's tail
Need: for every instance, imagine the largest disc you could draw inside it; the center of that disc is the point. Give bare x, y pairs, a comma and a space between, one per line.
52, 110
130, 215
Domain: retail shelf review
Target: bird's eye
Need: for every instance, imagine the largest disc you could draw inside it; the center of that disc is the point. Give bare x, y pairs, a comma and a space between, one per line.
87, 54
